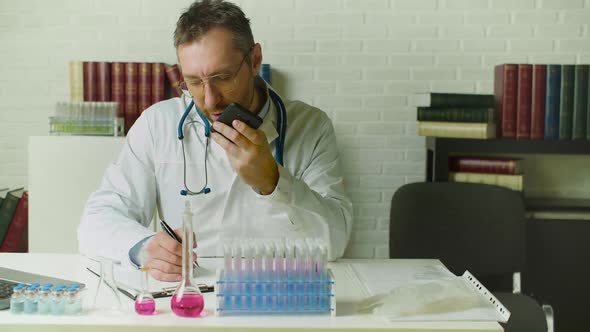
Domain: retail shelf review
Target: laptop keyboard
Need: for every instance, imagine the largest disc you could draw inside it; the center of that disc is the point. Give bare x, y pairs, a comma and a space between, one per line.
6, 288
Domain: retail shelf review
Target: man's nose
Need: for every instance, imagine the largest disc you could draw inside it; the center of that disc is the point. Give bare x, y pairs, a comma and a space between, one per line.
211, 95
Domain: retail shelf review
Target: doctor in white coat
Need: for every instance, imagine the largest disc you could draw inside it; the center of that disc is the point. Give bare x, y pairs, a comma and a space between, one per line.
253, 192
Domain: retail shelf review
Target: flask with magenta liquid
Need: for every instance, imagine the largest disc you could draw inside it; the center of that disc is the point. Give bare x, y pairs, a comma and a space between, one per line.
187, 300
144, 302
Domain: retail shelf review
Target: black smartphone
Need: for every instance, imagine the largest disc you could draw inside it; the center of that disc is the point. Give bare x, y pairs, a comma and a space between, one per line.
235, 111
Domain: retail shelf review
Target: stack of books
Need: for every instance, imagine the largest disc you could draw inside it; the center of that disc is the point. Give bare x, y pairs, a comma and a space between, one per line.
543, 101
456, 115
14, 220
503, 172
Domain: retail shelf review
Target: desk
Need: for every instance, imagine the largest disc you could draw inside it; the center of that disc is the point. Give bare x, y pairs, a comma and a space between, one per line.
70, 266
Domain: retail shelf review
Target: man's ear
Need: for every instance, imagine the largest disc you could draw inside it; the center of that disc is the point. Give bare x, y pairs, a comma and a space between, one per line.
256, 58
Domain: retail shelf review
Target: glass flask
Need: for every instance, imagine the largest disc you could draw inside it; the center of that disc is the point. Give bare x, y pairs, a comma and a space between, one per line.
187, 300
144, 302
106, 296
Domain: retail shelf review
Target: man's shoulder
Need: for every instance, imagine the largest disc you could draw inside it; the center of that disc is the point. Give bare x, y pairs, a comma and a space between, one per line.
165, 108
299, 110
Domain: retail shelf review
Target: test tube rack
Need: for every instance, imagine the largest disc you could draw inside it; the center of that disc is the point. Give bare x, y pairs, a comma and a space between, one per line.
293, 280
296, 296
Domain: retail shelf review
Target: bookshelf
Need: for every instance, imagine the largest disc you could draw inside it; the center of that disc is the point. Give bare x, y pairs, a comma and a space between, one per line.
438, 150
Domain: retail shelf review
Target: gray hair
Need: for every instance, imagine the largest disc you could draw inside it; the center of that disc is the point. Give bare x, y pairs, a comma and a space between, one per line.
204, 15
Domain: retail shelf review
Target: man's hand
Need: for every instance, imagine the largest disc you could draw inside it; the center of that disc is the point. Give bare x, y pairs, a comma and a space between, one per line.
165, 256
249, 154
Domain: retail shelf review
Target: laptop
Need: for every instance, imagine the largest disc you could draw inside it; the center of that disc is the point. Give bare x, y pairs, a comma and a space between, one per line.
10, 278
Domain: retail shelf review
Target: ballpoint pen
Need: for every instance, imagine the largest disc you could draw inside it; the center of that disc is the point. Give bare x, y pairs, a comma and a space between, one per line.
170, 232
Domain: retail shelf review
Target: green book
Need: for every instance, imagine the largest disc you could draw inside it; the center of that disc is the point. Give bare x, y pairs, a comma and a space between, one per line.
456, 114
437, 99
7, 209
580, 101
566, 102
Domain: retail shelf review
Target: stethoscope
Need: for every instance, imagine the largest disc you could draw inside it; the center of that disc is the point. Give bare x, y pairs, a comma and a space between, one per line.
281, 127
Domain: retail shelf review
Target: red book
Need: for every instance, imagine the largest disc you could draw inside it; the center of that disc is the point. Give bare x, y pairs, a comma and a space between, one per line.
505, 92
538, 102
485, 165
103, 81
118, 87
17, 235
90, 81
144, 86
158, 82
131, 113
523, 104
174, 77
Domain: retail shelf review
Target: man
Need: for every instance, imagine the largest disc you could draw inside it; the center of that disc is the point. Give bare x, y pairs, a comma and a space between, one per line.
251, 194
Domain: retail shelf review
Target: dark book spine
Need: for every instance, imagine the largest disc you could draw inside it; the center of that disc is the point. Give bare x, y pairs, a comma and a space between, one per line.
566, 102
456, 114
103, 81
482, 165
538, 102
144, 86
90, 81
460, 99
174, 77
552, 102
7, 209
118, 87
588, 111
523, 104
505, 92
158, 82
17, 235
580, 101
130, 95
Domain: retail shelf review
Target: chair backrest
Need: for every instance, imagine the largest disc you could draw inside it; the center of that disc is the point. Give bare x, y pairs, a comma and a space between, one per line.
475, 227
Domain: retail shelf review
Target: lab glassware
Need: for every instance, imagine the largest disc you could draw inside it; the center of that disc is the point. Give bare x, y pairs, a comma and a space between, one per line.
144, 302
109, 297
187, 300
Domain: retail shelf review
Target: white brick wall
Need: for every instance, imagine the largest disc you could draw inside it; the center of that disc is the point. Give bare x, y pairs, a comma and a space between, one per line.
358, 60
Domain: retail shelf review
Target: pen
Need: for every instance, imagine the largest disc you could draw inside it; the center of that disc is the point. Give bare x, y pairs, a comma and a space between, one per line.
170, 232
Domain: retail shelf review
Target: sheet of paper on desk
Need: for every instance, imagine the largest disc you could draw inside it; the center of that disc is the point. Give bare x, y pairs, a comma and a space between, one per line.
422, 293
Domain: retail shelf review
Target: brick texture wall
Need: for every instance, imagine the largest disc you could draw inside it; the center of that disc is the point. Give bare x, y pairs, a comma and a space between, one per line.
358, 60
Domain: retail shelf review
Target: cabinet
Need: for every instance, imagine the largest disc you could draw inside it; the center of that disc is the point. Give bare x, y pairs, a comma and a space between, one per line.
558, 260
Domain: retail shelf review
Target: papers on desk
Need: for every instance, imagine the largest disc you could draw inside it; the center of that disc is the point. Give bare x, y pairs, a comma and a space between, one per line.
425, 293
128, 279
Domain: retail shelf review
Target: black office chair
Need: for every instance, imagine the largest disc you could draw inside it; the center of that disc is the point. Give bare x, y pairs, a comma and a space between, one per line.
475, 227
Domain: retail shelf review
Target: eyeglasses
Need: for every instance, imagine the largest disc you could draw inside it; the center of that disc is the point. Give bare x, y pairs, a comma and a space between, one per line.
223, 83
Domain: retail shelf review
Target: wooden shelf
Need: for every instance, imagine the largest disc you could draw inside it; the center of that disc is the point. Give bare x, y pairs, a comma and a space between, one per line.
438, 150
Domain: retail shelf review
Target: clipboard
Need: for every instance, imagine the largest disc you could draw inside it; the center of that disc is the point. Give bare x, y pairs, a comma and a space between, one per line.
132, 292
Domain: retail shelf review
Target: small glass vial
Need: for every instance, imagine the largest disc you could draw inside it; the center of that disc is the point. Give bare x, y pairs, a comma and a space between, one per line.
57, 300
31, 299
72, 305
187, 300
17, 300
44, 304
144, 302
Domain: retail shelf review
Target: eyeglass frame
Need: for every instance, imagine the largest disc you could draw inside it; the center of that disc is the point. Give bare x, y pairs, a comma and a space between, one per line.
185, 91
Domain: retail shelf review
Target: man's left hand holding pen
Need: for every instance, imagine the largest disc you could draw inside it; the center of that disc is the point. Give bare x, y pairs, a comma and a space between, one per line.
164, 256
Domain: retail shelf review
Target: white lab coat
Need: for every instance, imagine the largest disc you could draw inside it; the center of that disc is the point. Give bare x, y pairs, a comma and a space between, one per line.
309, 200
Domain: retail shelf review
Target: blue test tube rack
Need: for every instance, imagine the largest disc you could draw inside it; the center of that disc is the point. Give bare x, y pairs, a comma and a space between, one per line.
255, 283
